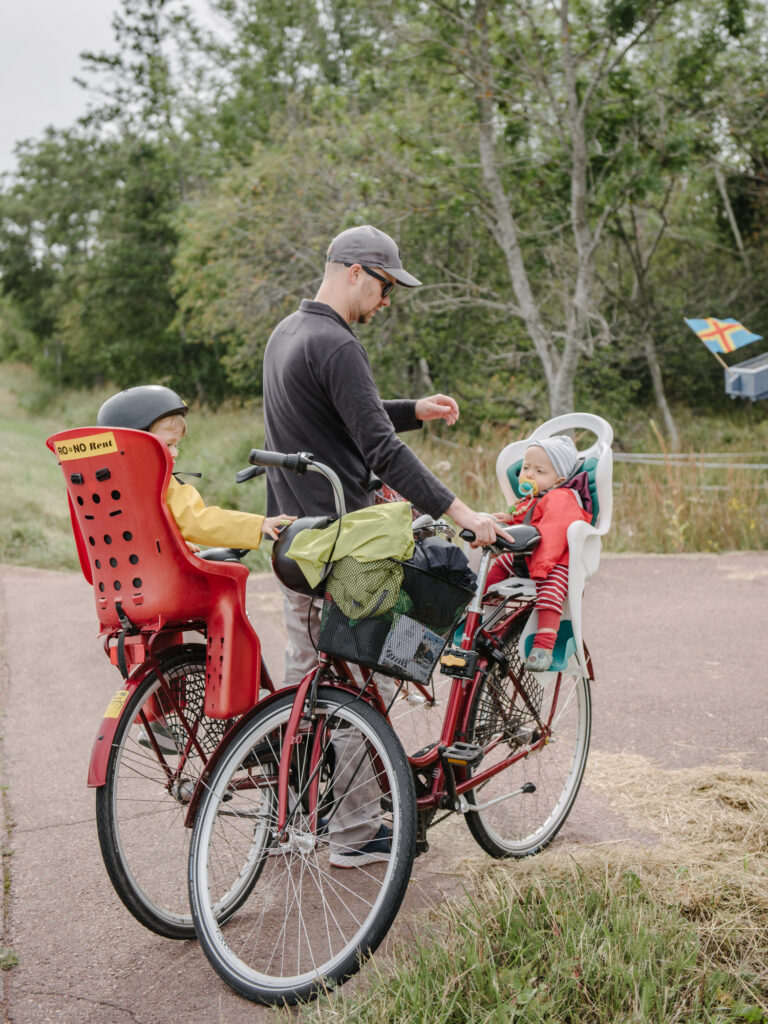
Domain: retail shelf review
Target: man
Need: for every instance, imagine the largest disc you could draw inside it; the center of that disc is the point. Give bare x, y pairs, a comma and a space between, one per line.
320, 396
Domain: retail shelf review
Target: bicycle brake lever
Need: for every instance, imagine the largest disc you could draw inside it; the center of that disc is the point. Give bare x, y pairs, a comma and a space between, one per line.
248, 473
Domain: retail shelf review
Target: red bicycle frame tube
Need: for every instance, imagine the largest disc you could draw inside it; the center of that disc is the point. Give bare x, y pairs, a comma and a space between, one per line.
291, 737
102, 745
457, 714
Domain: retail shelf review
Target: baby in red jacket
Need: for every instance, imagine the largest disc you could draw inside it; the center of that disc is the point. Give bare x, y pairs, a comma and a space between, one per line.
554, 502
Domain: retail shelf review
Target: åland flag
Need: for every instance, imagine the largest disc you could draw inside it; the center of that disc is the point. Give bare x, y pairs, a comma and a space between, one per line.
722, 335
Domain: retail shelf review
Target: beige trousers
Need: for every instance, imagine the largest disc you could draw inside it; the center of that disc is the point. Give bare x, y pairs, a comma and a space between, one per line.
357, 817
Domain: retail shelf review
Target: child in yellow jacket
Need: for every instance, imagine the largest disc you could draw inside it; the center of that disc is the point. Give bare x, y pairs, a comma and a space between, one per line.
160, 411
208, 524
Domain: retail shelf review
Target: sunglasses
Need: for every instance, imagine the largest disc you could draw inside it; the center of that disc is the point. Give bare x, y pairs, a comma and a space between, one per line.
387, 286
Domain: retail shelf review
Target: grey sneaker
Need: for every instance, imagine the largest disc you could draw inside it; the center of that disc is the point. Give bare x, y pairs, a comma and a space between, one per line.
538, 660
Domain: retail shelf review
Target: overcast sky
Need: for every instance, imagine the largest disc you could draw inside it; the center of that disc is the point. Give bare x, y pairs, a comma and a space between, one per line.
40, 41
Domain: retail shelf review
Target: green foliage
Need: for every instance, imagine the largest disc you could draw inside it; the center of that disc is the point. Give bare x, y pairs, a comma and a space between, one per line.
164, 236
16, 339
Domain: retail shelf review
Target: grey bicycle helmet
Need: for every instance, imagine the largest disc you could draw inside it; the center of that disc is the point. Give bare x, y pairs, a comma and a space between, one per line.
140, 407
288, 571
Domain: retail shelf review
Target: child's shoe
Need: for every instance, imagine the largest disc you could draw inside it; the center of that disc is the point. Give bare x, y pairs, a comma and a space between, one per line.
538, 660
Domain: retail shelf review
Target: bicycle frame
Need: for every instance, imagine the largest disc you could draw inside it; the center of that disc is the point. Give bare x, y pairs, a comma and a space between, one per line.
447, 790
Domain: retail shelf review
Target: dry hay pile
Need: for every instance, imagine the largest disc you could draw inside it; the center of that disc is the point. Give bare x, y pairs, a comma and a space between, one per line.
710, 862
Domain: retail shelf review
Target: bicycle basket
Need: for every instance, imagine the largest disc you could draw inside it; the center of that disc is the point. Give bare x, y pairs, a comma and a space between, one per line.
389, 616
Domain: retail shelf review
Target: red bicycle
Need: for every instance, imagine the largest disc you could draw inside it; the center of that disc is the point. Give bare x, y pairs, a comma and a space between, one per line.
176, 627
509, 756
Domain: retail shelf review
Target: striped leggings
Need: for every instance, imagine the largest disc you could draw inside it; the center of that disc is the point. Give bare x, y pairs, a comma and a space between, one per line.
551, 592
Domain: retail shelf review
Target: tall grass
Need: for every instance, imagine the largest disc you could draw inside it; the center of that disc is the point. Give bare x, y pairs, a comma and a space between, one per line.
661, 508
588, 947
674, 932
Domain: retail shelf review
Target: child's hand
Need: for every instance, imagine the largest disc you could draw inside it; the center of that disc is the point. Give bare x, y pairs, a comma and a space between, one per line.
192, 547
273, 524
501, 517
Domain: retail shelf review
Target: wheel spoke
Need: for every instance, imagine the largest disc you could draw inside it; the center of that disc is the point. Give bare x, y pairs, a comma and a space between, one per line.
140, 821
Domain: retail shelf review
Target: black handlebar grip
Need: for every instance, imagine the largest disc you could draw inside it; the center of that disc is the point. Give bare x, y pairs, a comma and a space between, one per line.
259, 457
249, 473
501, 544
293, 463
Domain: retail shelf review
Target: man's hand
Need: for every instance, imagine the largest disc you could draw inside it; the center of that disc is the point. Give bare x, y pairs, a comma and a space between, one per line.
484, 527
437, 407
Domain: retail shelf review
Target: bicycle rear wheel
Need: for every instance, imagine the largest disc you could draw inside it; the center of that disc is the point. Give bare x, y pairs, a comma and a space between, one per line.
536, 793
140, 809
307, 925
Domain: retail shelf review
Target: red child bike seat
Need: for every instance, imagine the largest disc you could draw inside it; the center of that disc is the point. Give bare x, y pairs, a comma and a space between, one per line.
143, 575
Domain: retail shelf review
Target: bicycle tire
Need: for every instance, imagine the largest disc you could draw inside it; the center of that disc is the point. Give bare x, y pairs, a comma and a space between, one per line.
307, 926
544, 784
139, 814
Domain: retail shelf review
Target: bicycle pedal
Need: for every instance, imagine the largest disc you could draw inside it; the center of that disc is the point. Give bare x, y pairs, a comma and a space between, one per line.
465, 754
455, 662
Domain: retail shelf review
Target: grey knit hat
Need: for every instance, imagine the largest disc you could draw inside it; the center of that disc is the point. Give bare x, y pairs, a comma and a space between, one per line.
561, 452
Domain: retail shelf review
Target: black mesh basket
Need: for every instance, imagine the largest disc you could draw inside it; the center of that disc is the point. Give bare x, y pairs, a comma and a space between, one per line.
389, 616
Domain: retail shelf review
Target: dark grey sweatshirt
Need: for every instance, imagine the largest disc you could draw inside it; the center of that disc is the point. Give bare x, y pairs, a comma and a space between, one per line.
320, 397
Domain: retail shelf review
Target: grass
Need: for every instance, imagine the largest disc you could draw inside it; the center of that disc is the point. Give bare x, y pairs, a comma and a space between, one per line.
663, 508
8, 959
33, 498
674, 932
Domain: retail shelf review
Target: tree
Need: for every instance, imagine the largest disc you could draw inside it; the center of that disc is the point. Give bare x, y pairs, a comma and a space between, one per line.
566, 134
88, 222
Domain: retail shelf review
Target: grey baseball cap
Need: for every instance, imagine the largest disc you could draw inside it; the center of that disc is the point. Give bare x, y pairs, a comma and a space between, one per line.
370, 247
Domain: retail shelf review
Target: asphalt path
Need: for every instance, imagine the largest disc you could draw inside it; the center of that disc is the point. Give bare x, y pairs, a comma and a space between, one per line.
678, 644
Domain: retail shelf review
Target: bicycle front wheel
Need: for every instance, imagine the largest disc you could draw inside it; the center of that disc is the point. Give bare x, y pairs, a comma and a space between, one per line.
308, 924
140, 809
521, 809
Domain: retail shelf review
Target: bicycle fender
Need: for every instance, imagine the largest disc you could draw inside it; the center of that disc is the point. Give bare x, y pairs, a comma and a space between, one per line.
164, 645
102, 745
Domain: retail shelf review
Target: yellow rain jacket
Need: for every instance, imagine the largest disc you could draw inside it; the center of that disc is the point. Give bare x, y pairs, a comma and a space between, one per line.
209, 524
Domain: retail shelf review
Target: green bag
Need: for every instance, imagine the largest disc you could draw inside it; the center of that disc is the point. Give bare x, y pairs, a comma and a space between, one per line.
363, 590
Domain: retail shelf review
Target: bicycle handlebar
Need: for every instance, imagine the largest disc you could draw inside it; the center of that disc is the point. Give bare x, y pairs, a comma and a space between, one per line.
522, 539
249, 473
301, 462
297, 463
